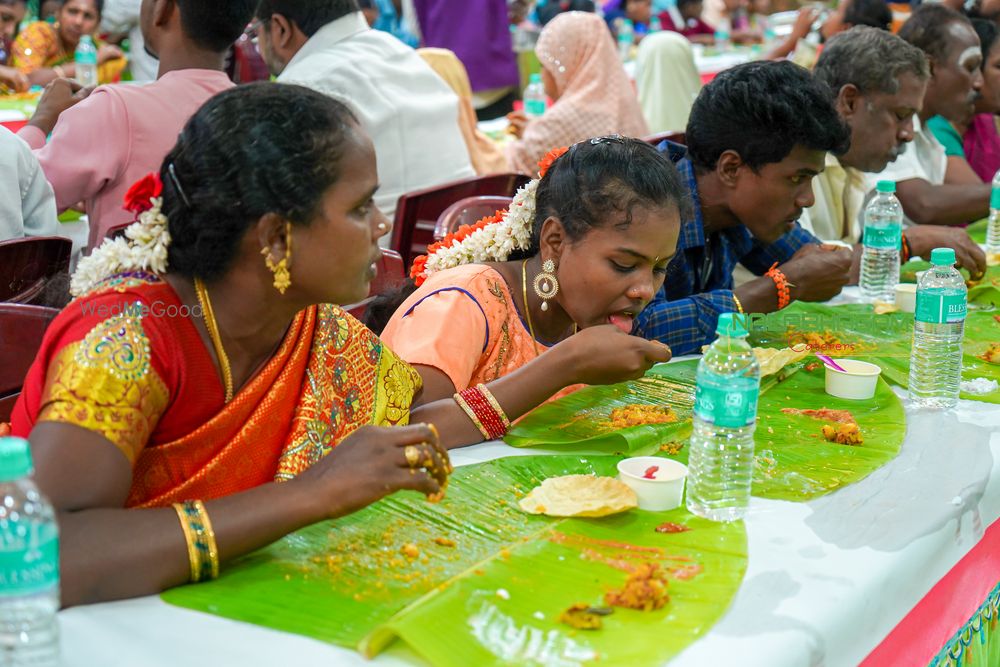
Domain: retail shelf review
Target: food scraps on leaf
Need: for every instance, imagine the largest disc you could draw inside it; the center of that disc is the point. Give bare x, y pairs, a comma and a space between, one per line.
668, 527
638, 414
645, 589
584, 617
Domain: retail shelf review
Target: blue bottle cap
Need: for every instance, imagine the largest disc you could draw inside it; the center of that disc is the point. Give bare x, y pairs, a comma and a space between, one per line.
886, 186
732, 325
943, 257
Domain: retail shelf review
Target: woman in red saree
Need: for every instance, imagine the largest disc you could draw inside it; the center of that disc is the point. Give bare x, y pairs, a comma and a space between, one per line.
203, 376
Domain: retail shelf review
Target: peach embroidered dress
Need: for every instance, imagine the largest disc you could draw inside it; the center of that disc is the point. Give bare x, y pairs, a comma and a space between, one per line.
463, 322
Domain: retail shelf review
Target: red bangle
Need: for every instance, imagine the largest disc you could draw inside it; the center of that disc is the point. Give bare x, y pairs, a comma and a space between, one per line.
782, 285
484, 411
905, 248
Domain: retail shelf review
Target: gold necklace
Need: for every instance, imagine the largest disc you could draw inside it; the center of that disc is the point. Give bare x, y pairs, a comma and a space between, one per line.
208, 315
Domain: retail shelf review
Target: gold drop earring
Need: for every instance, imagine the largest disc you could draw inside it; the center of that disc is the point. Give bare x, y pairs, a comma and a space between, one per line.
546, 284
282, 275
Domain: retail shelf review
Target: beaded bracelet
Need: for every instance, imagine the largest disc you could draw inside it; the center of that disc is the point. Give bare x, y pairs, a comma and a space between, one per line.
905, 248
781, 284
203, 553
484, 411
495, 404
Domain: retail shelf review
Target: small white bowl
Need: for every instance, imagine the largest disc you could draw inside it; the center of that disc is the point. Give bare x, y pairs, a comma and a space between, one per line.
857, 384
906, 297
664, 492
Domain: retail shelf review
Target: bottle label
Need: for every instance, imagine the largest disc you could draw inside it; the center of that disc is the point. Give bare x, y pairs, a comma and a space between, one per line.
889, 237
29, 557
940, 306
534, 107
725, 400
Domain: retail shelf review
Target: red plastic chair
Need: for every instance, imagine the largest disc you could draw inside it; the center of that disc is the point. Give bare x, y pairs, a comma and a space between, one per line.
21, 330
676, 137
28, 264
417, 212
118, 231
389, 277
466, 212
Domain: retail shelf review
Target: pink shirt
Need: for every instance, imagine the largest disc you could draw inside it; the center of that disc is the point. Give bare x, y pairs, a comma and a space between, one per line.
104, 144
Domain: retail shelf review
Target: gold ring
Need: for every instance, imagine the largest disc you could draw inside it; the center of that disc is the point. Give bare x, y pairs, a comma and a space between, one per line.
412, 454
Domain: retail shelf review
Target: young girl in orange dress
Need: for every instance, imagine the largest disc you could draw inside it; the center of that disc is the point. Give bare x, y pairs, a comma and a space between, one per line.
584, 248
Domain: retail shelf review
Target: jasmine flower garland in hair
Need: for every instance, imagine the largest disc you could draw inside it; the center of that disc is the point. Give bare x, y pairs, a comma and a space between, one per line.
143, 249
491, 239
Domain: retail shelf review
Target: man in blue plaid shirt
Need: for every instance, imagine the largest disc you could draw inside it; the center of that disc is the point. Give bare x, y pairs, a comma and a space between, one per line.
757, 136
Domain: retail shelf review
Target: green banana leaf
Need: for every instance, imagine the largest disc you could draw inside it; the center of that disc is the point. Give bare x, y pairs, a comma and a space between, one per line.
886, 339
493, 598
977, 230
579, 422
793, 461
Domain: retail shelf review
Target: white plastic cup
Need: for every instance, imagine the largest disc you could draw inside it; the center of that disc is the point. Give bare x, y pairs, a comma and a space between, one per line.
665, 492
906, 297
857, 384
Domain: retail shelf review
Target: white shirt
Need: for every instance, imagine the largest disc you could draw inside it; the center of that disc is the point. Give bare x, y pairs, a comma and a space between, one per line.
409, 112
27, 204
840, 198
924, 159
121, 16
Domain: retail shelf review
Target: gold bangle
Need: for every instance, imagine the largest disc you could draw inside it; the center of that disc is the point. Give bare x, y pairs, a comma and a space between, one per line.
739, 305
495, 404
471, 414
209, 533
193, 558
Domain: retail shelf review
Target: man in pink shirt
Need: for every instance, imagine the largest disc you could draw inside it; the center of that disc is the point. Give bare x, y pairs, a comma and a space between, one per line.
112, 137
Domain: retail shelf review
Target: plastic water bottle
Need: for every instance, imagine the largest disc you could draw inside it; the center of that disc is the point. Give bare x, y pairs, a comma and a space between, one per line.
725, 415
655, 24
993, 230
626, 38
882, 241
534, 97
29, 564
938, 324
722, 34
86, 62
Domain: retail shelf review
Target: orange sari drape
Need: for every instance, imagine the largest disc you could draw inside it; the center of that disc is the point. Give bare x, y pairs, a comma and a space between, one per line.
330, 376
123, 363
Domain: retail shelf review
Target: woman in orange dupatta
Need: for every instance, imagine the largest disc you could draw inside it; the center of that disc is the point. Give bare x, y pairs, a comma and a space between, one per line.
202, 397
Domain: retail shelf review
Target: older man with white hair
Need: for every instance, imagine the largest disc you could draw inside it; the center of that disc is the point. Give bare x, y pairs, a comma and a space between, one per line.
879, 82
933, 188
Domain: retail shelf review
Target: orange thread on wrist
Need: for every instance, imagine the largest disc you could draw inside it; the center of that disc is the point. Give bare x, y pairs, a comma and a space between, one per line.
781, 284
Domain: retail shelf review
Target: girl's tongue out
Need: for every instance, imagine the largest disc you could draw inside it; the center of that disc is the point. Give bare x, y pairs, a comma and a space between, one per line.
622, 321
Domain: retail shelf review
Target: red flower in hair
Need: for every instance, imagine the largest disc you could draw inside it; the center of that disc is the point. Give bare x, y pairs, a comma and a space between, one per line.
137, 199
550, 157
417, 270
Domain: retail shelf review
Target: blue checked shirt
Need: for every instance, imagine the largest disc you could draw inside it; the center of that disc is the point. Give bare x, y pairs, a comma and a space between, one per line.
699, 281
